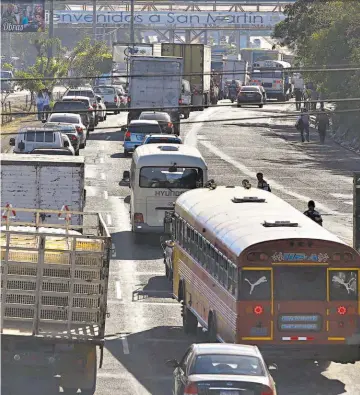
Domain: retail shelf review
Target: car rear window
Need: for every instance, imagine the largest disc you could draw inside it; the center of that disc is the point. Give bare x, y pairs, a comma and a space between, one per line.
70, 105
85, 101
40, 137
231, 364
156, 117
80, 93
250, 89
160, 140
105, 90
144, 129
64, 118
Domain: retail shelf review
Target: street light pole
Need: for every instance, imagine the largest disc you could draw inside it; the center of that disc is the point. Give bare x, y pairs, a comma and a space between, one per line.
94, 21
132, 30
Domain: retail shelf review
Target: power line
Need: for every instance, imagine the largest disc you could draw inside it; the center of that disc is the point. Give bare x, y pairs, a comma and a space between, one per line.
212, 73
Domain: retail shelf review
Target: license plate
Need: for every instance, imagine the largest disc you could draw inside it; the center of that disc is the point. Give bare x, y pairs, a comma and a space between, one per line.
229, 392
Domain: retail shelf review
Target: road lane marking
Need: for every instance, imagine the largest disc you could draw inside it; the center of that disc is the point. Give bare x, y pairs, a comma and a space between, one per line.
118, 289
191, 137
103, 176
125, 376
113, 252
108, 219
274, 184
101, 160
102, 147
106, 195
125, 344
108, 138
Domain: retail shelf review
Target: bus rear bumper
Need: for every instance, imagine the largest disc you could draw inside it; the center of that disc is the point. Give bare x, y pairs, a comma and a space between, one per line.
341, 353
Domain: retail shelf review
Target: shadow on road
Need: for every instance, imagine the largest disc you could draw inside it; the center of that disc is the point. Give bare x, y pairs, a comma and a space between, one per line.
107, 134
124, 243
156, 287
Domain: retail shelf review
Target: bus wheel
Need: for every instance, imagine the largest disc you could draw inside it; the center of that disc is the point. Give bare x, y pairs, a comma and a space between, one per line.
212, 328
190, 322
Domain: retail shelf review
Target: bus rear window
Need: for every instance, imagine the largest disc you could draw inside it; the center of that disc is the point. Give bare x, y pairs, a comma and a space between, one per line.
300, 283
164, 177
343, 284
255, 285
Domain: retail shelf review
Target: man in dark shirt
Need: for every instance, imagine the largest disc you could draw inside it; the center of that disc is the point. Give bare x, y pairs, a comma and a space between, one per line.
313, 214
262, 184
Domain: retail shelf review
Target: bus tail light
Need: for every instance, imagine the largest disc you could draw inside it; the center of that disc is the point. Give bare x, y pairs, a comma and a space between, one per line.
127, 136
138, 218
342, 310
258, 310
191, 389
263, 257
337, 257
180, 101
348, 257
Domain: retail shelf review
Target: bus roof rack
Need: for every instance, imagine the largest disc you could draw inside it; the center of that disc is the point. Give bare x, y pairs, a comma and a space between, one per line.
278, 224
248, 199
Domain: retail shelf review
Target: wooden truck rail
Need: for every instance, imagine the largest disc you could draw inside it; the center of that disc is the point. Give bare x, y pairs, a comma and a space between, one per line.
54, 278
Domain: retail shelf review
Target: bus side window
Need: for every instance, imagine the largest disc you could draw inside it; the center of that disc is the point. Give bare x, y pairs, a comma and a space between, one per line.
192, 243
206, 249
200, 250
196, 247
216, 264
188, 238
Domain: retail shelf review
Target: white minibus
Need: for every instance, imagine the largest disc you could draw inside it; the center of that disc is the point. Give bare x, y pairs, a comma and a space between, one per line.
160, 173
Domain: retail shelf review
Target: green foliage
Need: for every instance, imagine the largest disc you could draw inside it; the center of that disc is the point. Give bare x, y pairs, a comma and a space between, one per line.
325, 34
7, 66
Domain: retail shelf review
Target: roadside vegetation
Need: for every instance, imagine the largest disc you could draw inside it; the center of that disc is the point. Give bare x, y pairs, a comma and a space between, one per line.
326, 34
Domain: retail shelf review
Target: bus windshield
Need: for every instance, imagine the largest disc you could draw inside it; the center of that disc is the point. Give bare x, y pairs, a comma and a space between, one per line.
164, 177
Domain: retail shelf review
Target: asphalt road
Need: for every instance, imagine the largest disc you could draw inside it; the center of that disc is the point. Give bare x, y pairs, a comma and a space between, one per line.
144, 331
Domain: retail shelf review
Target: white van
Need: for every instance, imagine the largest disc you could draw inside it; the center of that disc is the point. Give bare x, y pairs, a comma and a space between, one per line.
159, 174
29, 139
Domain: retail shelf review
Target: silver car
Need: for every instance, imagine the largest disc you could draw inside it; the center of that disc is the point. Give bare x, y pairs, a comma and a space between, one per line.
73, 119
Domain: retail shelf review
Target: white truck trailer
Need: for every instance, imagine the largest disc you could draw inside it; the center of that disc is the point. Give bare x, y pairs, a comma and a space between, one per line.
155, 84
42, 182
54, 300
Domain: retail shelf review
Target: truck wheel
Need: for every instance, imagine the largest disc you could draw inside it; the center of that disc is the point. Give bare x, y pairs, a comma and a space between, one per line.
126, 153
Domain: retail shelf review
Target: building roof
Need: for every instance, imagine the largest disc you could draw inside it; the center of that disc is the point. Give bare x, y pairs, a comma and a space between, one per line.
240, 225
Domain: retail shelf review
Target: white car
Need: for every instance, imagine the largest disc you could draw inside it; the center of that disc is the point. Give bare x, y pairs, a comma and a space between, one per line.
29, 139
110, 96
74, 119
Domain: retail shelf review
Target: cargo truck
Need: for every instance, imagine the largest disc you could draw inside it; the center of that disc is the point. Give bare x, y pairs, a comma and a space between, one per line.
197, 70
43, 182
155, 84
54, 300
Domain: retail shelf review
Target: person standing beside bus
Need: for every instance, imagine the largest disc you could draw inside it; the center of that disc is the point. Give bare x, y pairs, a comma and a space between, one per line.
40, 105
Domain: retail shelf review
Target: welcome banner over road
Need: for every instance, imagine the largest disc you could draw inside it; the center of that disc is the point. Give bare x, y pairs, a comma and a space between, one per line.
259, 20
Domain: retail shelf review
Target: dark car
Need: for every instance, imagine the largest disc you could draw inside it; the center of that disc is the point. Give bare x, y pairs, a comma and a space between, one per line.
87, 102
163, 118
250, 95
222, 369
75, 107
88, 92
51, 151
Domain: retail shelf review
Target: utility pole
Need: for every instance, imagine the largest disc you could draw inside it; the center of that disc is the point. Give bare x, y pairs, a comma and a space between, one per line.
132, 30
94, 21
51, 28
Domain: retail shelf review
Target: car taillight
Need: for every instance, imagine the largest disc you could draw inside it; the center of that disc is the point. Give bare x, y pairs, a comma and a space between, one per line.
129, 99
191, 389
127, 136
115, 99
79, 129
180, 101
342, 310
73, 138
170, 125
138, 217
94, 105
269, 391
258, 310
91, 108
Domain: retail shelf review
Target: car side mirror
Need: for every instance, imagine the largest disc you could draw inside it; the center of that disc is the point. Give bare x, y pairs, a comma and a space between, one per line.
66, 144
12, 142
125, 182
172, 363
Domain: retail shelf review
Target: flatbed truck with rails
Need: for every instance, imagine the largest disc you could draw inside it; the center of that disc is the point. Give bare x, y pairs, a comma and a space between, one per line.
54, 296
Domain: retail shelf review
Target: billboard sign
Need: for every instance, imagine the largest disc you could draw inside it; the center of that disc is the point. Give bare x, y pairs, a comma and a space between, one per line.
178, 19
23, 16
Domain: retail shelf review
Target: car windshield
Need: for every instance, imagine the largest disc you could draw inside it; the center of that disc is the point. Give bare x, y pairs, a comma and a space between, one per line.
250, 89
160, 140
60, 127
52, 152
64, 118
164, 177
70, 105
144, 129
228, 364
105, 90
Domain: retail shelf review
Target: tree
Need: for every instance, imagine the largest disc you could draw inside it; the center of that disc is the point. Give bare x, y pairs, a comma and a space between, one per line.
89, 59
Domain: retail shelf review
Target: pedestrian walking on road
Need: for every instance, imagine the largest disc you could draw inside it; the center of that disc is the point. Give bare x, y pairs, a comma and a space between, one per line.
262, 184
46, 107
298, 98
322, 122
40, 105
303, 125
313, 214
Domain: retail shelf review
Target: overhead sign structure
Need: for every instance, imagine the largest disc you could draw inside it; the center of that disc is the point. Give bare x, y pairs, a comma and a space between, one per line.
156, 19
23, 16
